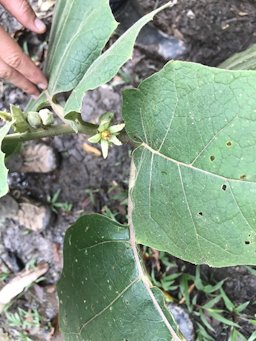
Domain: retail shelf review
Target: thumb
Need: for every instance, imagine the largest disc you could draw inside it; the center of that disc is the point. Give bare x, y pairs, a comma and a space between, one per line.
24, 13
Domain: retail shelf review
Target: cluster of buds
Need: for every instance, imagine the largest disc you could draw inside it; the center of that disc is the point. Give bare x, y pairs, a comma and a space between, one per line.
43, 118
107, 134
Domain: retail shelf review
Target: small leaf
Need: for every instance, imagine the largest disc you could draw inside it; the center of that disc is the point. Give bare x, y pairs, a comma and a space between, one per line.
210, 304
203, 333
205, 321
3, 170
222, 319
21, 125
252, 337
208, 289
229, 305
242, 307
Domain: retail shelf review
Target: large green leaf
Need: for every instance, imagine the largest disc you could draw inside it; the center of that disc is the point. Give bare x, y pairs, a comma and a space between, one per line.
80, 30
103, 291
107, 65
193, 188
3, 170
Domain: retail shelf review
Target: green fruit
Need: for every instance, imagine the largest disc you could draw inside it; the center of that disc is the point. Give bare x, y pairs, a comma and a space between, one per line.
34, 119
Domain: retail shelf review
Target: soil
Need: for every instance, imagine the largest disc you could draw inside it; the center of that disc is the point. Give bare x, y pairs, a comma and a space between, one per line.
212, 31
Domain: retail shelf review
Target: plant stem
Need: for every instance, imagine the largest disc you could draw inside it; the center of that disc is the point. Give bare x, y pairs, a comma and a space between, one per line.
63, 129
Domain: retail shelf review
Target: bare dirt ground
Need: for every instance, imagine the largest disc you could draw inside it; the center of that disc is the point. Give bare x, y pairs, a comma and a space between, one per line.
212, 31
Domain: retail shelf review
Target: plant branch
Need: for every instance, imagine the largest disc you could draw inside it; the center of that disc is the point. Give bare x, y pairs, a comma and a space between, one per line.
63, 129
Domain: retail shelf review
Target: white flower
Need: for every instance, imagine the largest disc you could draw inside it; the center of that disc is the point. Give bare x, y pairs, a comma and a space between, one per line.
107, 134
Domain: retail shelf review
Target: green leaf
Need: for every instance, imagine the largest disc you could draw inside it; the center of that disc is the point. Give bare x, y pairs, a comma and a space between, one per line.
3, 170
108, 64
236, 336
228, 303
239, 309
36, 105
10, 147
80, 30
222, 319
212, 302
202, 334
103, 291
252, 337
245, 60
20, 125
205, 321
193, 182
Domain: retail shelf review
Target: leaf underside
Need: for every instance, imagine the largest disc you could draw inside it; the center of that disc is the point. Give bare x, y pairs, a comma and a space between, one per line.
193, 188
102, 293
104, 68
80, 31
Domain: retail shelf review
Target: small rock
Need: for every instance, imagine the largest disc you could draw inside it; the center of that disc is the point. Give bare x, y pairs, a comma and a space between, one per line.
38, 158
34, 217
183, 321
191, 14
8, 208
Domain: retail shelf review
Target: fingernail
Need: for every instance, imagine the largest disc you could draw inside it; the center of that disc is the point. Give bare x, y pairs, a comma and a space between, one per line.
40, 25
42, 86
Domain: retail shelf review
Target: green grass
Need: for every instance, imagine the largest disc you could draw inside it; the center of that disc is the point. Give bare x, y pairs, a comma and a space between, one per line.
57, 205
207, 303
22, 322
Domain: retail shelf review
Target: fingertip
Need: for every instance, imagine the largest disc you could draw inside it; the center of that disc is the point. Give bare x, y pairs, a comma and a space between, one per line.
42, 86
40, 25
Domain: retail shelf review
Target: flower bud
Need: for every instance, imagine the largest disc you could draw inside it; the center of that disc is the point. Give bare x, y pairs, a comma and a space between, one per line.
46, 116
34, 119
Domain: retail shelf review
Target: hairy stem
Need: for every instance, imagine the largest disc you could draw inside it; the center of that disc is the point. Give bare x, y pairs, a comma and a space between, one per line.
63, 129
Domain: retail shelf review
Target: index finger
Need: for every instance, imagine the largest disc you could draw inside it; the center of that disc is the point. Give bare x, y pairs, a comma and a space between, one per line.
14, 57
24, 13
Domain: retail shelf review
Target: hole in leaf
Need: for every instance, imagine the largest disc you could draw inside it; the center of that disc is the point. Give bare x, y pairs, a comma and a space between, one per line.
242, 177
247, 242
224, 187
200, 213
229, 144
212, 157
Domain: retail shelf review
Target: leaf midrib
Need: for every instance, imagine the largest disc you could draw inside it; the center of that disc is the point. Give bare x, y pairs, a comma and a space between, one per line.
190, 165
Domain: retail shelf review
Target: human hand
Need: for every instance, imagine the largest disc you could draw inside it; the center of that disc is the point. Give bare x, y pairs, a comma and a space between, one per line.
15, 66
